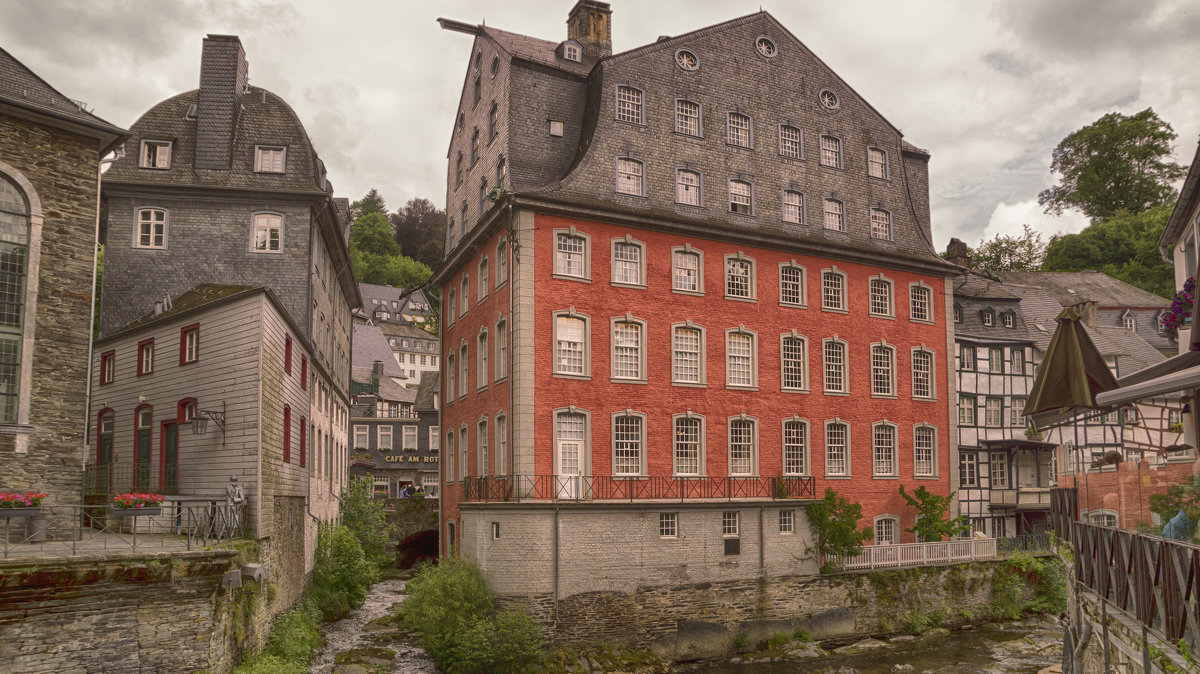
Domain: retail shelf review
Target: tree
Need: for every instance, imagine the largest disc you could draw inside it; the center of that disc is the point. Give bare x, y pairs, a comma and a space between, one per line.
1005, 252
371, 203
1124, 246
421, 230
1115, 164
366, 519
376, 257
372, 233
932, 523
834, 524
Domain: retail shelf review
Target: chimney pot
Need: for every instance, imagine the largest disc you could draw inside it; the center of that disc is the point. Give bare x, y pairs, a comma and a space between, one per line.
590, 24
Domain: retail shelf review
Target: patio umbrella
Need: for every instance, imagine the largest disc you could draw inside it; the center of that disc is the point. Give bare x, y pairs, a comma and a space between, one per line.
1072, 373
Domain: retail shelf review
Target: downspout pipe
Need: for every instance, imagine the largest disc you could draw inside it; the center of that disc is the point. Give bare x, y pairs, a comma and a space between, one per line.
91, 346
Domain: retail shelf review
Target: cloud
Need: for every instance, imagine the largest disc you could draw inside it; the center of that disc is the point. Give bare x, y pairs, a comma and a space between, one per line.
1011, 218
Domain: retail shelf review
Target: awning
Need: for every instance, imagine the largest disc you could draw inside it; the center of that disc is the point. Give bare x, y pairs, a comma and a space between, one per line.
1071, 375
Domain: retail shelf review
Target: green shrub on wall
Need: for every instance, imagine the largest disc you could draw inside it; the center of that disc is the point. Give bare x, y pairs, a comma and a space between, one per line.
341, 572
834, 524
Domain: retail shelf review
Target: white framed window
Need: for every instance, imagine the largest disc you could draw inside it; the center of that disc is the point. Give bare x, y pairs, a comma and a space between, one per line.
1103, 518
791, 141
435, 438
743, 445
450, 377
484, 274
966, 357
687, 270
834, 362
740, 281
481, 447
450, 456
571, 52
922, 374
628, 262
501, 262
988, 317
572, 345
408, 437
920, 304
886, 462
741, 355
152, 228
268, 233
629, 177
1010, 320
451, 304
668, 525
462, 370
877, 164
833, 290
883, 370
837, 448
362, 435
687, 117
465, 295
880, 296
957, 314
572, 456
1127, 321
793, 207
629, 443
831, 151
384, 436
998, 470
740, 197
834, 217
628, 349
474, 151
572, 257
1016, 413
793, 356
738, 130
792, 285
968, 469
501, 444
924, 451
966, 410
787, 521
795, 447
629, 104
993, 412
481, 360
687, 354
886, 530
556, 128
688, 445
501, 349
729, 524
1018, 361
687, 187
156, 154
996, 360
881, 224
269, 159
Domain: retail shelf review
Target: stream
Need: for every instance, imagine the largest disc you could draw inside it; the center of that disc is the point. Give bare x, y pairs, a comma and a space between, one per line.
368, 640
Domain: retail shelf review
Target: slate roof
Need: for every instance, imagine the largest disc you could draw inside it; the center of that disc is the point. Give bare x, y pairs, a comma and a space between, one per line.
199, 296
539, 51
368, 346
1133, 351
264, 119
389, 294
431, 383
393, 329
1070, 288
19, 86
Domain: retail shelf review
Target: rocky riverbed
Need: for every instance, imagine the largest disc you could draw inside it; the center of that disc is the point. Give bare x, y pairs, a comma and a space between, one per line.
370, 641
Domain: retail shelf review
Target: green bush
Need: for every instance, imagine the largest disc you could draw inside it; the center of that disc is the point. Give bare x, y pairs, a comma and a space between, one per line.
270, 664
364, 515
834, 524
510, 642
341, 573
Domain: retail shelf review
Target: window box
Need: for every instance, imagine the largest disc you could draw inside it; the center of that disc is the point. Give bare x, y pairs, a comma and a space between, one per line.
20, 512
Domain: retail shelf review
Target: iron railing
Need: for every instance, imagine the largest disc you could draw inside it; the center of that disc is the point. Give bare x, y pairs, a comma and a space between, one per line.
917, 554
609, 488
1032, 543
109, 478
89, 529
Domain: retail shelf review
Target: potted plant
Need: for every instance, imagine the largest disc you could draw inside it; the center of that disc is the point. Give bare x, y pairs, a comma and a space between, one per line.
28, 504
134, 504
1180, 312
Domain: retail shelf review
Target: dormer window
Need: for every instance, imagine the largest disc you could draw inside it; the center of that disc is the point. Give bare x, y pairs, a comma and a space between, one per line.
1009, 319
572, 52
156, 154
988, 317
1129, 322
268, 159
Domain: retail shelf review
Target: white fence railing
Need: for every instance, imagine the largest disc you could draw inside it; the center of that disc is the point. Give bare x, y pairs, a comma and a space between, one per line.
918, 554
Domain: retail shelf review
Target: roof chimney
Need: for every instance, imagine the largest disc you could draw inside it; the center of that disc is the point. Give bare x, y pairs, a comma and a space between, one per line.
590, 24
223, 79
958, 253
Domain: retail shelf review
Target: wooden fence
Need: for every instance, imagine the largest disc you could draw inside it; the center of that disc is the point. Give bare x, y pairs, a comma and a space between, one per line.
918, 554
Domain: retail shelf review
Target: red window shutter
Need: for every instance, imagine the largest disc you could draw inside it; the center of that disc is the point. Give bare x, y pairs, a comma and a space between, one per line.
287, 355
303, 440
287, 434
304, 372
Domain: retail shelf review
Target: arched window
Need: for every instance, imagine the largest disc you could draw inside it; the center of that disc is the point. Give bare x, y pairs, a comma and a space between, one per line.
15, 217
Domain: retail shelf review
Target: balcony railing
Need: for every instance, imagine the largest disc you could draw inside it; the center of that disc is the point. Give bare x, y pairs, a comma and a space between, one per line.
1024, 498
917, 554
370, 412
608, 488
1031, 543
120, 477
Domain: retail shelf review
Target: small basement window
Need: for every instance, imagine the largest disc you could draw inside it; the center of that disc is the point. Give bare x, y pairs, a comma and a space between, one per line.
556, 128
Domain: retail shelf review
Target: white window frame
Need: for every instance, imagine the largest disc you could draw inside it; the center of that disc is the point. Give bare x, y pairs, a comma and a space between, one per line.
826, 364
701, 432
730, 525
875, 299
734, 134
918, 431
640, 355
451, 373
874, 163
1017, 368
560, 272
501, 261
681, 187
464, 304
435, 438
266, 164
893, 528
884, 454
968, 469
700, 355
450, 456
739, 332
883, 370
987, 317
501, 443
483, 274
685, 116
785, 339
831, 465
967, 410
787, 206
481, 447
914, 290
501, 362
751, 277
382, 431
260, 221
792, 461
995, 360
159, 162
799, 142
687, 249
881, 224
409, 436
1016, 416
932, 378
572, 51
629, 243
787, 522
749, 196
967, 358
587, 345
631, 177
993, 412
751, 461
831, 151
1009, 320
630, 108
362, 432
998, 470
801, 300
826, 291
464, 361
640, 469
835, 209
150, 224
482, 369
668, 525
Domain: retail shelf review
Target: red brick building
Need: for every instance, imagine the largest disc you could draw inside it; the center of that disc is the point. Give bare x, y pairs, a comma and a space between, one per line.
687, 287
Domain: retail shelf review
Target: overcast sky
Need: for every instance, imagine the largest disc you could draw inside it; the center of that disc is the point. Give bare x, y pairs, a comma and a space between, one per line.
989, 88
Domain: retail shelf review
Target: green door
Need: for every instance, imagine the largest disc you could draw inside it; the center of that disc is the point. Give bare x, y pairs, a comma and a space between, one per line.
170, 481
142, 478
